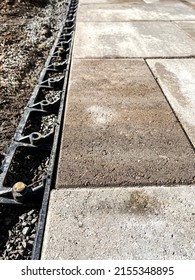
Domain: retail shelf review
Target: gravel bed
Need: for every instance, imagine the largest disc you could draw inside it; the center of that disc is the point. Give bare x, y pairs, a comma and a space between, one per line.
38, 122
18, 230
32, 170
50, 95
57, 59
55, 75
28, 30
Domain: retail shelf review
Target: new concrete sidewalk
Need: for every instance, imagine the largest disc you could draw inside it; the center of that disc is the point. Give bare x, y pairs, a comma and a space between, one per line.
126, 176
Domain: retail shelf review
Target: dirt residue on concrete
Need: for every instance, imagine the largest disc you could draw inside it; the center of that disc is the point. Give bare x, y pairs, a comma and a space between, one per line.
141, 203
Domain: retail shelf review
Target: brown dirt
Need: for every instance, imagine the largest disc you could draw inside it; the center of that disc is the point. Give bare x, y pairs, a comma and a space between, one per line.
21, 60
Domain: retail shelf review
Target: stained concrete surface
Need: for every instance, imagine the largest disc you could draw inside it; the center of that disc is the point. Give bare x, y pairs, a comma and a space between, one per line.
128, 11
119, 129
131, 39
131, 223
177, 79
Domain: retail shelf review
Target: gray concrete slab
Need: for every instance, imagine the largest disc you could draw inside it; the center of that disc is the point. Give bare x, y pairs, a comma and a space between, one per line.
110, 1
131, 39
177, 79
128, 11
119, 129
191, 1
127, 1
188, 27
157, 1
131, 223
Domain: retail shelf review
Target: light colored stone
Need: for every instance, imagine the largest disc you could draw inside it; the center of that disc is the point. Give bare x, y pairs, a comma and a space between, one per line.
127, 1
109, 103
177, 80
131, 39
159, 1
151, 1
129, 11
188, 27
121, 223
191, 1
111, 1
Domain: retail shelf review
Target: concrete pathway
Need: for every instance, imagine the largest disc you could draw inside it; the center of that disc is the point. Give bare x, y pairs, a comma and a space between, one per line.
126, 174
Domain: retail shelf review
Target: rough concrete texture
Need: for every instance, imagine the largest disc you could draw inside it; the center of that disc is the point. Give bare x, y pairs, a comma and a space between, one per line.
119, 129
110, 1
131, 223
131, 39
158, 1
126, 1
128, 11
177, 79
191, 2
188, 27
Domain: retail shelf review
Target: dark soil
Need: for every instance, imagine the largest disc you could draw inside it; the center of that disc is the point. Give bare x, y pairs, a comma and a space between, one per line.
23, 51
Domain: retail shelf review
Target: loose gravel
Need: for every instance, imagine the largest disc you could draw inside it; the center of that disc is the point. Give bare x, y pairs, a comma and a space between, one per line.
55, 75
18, 230
51, 96
38, 122
28, 31
32, 170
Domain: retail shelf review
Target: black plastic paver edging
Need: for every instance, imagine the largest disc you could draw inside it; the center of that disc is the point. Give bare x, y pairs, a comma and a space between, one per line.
18, 135
37, 102
36, 253
35, 138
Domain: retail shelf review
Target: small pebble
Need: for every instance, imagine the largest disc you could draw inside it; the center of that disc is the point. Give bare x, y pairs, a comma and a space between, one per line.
33, 221
80, 224
24, 244
25, 230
